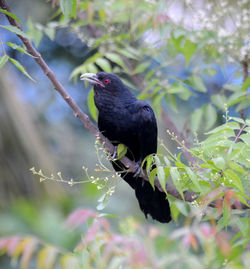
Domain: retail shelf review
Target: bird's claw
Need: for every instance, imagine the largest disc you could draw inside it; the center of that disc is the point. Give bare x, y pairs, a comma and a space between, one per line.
114, 155
137, 169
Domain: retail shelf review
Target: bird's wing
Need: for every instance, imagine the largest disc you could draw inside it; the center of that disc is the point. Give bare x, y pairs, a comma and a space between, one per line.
146, 128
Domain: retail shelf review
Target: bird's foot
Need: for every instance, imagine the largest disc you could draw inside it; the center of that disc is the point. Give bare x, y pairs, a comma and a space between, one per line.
113, 156
137, 169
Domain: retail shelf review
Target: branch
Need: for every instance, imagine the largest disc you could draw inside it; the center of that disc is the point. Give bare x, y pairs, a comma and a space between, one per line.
130, 165
245, 76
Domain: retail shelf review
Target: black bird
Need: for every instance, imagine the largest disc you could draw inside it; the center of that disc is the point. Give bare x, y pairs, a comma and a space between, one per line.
124, 119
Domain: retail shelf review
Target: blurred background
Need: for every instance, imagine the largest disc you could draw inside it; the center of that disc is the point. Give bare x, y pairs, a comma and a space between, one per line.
38, 129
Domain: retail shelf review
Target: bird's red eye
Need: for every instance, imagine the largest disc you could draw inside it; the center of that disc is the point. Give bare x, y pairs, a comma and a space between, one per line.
106, 81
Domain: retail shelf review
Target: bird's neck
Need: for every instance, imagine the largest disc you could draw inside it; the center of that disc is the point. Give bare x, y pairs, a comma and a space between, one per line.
108, 102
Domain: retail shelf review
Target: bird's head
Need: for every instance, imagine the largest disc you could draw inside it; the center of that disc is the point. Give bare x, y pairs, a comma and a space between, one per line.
104, 81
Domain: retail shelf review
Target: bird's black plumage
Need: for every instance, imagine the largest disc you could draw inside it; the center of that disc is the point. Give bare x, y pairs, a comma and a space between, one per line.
124, 119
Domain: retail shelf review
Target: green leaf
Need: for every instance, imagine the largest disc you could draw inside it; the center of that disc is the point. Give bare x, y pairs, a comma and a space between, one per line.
91, 105
141, 68
205, 186
13, 16
107, 215
50, 32
233, 179
121, 151
183, 92
21, 68
68, 7
226, 214
157, 160
243, 104
237, 119
3, 60
116, 58
177, 42
127, 53
196, 119
243, 225
15, 30
166, 160
183, 208
102, 204
81, 69
161, 177
148, 160
175, 212
232, 87
210, 116
152, 176
91, 68
171, 100
102, 15
176, 180
153, 82
194, 179
219, 162
34, 33
188, 50
236, 98
156, 103
224, 127
242, 198
235, 166
246, 84
104, 64
17, 47
219, 100
74, 9
197, 83
246, 138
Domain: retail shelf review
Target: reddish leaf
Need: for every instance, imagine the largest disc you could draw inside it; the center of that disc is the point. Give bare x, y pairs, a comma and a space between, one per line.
3, 243
28, 251
223, 241
207, 230
20, 247
79, 217
95, 228
12, 244
219, 205
190, 240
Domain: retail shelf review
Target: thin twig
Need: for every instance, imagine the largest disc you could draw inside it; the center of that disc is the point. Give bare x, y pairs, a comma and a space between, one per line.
245, 76
239, 133
130, 165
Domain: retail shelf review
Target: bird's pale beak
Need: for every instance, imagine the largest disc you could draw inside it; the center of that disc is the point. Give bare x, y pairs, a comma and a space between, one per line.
92, 78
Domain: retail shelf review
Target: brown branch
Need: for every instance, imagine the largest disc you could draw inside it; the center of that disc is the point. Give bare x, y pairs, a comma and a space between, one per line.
245, 76
239, 133
245, 68
130, 165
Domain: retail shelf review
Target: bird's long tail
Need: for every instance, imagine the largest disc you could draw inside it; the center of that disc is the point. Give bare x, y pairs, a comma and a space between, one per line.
152, 202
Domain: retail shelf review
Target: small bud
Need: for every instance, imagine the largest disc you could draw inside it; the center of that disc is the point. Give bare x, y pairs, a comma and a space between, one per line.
42, 179
32, 169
